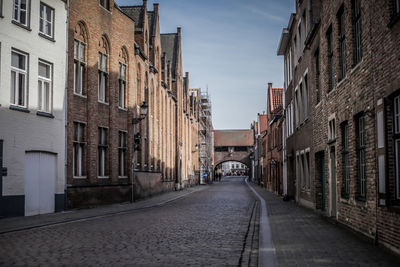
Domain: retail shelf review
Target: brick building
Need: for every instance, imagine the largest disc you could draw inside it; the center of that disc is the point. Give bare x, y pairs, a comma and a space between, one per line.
115, 153
351, 52
273, 146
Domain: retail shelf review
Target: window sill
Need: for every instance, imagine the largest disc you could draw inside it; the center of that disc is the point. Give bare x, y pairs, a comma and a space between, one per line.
103, 177
123, 177
45, 114
79, 95
104, 103
79, 177
357, 66
122, 109
331, 91
394, 19
47, 37
318, 104
341, 81
19, 108
331, 141
109, 11
26, 27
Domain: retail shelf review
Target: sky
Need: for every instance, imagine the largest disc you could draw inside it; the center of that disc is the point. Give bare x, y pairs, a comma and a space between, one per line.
229, 47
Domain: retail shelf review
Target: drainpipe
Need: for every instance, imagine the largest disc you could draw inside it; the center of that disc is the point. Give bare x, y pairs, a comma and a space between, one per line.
66, 107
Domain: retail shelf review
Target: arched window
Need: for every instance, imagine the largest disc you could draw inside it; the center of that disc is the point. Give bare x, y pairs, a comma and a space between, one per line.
80, 59
123, 62
103, 70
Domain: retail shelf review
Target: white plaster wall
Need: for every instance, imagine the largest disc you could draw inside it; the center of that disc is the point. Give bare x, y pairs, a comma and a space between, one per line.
27, 131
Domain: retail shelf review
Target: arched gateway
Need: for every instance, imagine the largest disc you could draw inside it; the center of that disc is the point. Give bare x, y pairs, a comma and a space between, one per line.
233, 145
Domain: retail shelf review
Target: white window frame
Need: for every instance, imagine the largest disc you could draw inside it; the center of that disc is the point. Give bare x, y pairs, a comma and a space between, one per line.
122, 151
102, 77
41, 89
79, 145
102, 152
80, 62
17, 7
44, 22
18, 71
122, 85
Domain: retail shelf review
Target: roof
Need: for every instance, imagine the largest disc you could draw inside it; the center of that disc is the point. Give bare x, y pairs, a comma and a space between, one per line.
275, 99
285, 37
233, 138
136, 13
169, 45
263, 120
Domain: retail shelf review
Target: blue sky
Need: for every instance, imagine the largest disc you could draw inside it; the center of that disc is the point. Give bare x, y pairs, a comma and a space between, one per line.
229, 46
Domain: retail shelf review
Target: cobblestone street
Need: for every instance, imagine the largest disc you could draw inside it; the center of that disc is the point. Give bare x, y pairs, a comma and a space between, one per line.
211, 226
204, 228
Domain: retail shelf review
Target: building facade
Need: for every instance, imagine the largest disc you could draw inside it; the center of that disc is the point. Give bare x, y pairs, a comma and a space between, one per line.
350, 52
120, 65
33, 50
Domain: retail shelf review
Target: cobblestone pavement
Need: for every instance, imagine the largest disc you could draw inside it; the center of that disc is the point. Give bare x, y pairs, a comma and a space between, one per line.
205, 228
303, 238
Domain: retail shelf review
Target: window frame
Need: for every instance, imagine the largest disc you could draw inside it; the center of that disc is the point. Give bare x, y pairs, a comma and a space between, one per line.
318, 74
102, 152
342, 42
357, 31
122, 151
52, 12
361, 157
27, 13
41, 92
396, 140
396, 7
122, 84
18, 72
79, 145
330, 55
82, 64
102, 77
345, 160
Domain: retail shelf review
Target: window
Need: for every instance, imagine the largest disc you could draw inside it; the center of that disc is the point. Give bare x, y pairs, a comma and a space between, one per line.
105, 4
345, 160
103, 77
332, 130
361, 160
330, 58
1, 8
78, 149
79, 66
317, 76
396, 130
306, 96
397, 7
122, 85
301, 103
21, 12
46, 20
356, 6
342, 43
122, 148
102, 152
307, 170
45, 87
19, 73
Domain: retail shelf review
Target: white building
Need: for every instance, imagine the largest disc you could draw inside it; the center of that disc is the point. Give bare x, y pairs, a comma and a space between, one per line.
33, 45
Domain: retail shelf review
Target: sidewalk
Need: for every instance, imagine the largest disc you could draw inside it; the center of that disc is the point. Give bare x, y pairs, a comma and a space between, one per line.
303, 238
23, 223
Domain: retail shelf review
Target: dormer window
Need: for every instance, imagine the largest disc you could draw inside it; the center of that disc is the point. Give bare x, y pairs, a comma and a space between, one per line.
105, 4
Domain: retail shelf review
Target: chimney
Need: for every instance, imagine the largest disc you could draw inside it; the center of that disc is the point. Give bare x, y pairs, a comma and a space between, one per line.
155, 5
269, 85
179, 31
145, 4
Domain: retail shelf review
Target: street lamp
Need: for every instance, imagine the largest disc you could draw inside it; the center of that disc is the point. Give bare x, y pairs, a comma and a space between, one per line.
143, 113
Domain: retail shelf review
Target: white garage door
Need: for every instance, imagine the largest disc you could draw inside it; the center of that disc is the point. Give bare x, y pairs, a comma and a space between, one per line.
40, 177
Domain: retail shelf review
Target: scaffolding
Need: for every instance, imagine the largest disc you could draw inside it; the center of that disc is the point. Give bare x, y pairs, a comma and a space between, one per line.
205, 135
